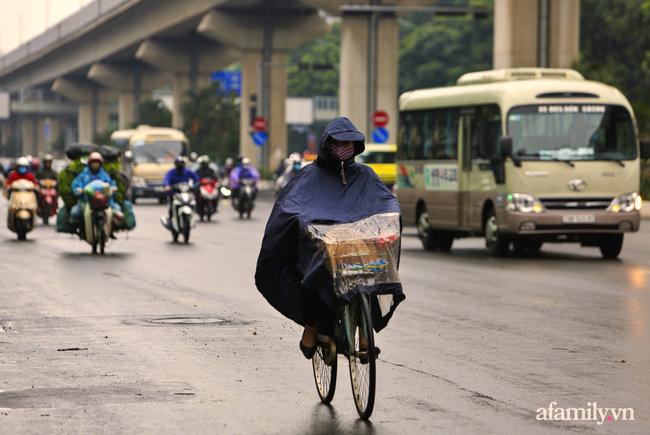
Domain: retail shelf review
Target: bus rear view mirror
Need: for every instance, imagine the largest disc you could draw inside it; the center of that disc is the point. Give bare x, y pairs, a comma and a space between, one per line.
645, 149
505, 143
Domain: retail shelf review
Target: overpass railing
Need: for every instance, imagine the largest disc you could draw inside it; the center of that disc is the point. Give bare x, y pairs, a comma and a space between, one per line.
86, 16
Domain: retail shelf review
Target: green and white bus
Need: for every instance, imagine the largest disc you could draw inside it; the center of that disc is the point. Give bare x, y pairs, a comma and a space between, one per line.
522, 156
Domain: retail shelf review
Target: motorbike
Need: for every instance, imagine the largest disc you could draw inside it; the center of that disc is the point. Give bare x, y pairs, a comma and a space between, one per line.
21, 218
47, 201
246, 197
284, 179
98, 216
183, 204
208, 199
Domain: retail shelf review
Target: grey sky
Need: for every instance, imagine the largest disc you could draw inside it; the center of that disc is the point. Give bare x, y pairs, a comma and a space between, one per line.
34, 18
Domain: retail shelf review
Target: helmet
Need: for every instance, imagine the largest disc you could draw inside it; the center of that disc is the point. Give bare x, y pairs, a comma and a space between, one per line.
179, 159
295, 157
35, 163
48, 158
240, 158
22, 162
204, 160
246, 161
229, 161
95, 157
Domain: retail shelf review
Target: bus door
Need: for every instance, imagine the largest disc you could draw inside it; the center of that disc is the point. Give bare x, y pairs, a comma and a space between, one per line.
480, 131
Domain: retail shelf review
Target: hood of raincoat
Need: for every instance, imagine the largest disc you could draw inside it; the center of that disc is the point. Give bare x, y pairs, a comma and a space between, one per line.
289, 262
342, 129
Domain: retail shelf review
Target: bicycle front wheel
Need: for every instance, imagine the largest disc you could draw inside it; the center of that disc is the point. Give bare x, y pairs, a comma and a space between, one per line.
362, 356
324, 362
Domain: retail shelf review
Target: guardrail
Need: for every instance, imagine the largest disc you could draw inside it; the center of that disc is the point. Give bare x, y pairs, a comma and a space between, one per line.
86, 15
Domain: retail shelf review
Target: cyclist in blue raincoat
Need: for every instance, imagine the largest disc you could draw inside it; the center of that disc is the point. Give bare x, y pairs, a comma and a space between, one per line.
93, 171
291, 273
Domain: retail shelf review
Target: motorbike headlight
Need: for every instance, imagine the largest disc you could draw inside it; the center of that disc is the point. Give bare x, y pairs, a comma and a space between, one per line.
524, 203
139, 182
225, 191
625, 203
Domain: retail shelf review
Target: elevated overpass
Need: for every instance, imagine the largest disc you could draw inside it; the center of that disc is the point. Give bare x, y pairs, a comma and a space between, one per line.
120, 49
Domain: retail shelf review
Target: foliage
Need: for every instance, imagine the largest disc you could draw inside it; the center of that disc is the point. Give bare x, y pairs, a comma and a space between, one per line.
154, 113
211, 122
313, 82
441, 49
103, 137
66, 177
614, 50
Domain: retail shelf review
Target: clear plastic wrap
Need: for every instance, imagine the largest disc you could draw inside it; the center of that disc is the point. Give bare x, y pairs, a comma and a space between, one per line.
364, 252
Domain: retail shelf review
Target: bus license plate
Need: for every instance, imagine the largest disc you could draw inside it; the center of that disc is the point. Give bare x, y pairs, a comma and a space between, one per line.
579, 219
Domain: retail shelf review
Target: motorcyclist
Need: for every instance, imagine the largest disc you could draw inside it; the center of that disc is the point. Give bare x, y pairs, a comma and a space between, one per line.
36, 164
205, 171
246, 170
93, 171
21, 173
225, 170
46, 172
180, 174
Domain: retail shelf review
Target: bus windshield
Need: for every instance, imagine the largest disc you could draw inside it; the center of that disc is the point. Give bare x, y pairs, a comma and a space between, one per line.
160, 151
572, 132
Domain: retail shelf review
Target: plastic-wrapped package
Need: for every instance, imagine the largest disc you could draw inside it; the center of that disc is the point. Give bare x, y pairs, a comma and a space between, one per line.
360, 253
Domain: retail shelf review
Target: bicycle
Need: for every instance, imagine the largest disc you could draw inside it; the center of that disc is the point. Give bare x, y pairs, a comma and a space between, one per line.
361, 253
353, 338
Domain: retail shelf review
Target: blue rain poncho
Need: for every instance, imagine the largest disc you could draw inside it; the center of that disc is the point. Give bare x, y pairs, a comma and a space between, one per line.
323, 195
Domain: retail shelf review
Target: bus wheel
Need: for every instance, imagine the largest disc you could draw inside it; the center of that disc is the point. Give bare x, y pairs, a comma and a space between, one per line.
424, 231
611, 245
497, 244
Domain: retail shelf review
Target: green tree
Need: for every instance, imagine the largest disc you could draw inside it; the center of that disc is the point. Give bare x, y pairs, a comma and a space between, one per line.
103, 137
313, 82
211, 122
155, 113
615, 49
438, 51
11, 147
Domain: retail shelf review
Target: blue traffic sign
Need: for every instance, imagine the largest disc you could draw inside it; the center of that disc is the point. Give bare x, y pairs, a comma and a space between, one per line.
380, 135
259, 138
230, 81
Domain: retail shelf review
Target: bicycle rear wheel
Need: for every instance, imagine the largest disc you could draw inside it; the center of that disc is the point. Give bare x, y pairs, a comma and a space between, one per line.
362, 356
324, 362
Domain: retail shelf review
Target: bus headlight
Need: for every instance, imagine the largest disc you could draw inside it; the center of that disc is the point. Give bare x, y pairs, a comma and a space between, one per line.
524, 203
139, 182
625, 203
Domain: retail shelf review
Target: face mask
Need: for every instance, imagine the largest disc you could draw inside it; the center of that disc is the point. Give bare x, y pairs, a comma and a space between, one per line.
342, 153
94, 169
180, 168
296, 166
22, 170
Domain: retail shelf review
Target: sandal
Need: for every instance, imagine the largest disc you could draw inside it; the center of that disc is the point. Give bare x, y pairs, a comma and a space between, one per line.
307, 351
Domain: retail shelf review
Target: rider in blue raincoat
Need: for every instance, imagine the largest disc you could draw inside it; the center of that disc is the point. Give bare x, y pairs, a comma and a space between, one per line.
180, 174
93, 171
291, 273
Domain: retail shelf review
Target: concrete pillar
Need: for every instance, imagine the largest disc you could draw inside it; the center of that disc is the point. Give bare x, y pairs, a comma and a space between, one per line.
176, 59
353, 75
94, 103
353, 79
564, 33
126, 110
245, 32
517, 38
250, 61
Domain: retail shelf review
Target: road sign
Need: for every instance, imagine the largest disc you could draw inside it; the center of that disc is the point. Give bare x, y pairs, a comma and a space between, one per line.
229, 80
260, 124
380, 135
47, 130
259, 138
380, 118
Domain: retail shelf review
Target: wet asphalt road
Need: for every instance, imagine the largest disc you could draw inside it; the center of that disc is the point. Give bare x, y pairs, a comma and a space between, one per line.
477, 347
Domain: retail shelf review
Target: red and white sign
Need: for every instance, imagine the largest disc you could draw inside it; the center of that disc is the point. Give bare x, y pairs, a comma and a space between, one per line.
380, 118
260, 124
